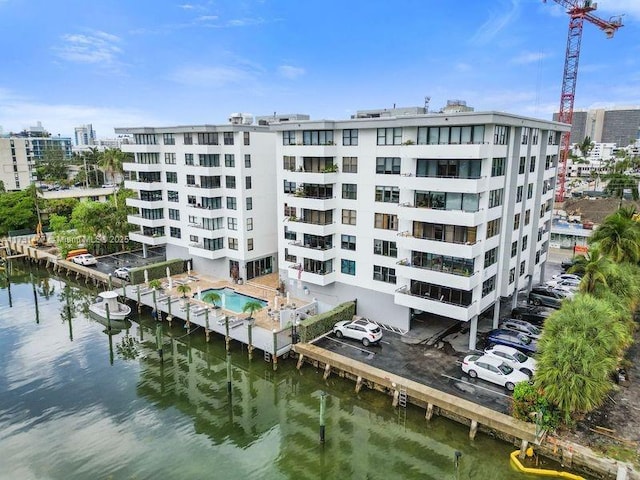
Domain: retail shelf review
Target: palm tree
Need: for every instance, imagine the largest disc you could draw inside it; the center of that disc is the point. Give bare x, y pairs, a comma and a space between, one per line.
619, 237
183, 289
111, 160
585, 147
155, 284
594, 268
252, 306
212, 297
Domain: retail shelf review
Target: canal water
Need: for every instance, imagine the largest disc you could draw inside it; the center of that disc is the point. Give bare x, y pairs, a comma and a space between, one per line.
77, 403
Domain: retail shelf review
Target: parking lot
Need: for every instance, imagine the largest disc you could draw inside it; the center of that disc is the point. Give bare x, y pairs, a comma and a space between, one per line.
436, 365
108, 263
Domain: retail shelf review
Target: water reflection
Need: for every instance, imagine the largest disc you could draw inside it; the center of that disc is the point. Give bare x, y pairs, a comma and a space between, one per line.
76, 405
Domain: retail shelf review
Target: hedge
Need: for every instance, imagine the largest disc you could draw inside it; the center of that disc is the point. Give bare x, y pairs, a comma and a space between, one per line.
156, 270
313, 327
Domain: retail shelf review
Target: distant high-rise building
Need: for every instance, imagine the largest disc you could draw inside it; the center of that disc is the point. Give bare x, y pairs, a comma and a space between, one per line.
619, 125
85, 135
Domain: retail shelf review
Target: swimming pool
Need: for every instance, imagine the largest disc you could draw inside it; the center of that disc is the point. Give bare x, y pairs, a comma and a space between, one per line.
232, 300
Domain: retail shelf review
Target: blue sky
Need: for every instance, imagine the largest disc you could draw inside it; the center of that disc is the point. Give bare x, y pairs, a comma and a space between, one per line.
119, 63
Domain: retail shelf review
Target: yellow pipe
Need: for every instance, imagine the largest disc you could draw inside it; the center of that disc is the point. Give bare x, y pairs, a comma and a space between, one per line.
541, 471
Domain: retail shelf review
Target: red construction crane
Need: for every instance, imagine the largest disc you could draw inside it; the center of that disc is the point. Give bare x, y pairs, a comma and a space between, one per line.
579, 11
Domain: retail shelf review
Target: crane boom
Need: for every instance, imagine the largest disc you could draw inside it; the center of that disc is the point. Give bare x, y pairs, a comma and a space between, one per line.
579, 11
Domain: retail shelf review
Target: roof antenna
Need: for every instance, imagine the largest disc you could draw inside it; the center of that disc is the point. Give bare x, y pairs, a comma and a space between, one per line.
426, 104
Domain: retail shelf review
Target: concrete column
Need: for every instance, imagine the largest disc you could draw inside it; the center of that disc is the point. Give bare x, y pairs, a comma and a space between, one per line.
496, 313
543, 267
144, 250
473, 332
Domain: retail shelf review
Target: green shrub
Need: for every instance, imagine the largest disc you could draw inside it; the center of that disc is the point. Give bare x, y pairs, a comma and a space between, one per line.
313, 327
528, 403
157, 270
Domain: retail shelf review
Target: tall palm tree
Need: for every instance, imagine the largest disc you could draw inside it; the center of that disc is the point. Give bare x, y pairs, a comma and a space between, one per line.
594, 268
252, 306
111, 160
619, 237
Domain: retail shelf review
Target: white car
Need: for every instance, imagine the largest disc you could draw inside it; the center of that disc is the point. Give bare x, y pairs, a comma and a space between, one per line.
85, 259
556, 279
522, 326
493, 370
568, 284
362, 330
122, 273
514, 358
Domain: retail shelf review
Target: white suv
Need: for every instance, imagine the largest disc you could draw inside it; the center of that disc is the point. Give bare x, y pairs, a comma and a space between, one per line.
362, 330
514, 358
85, 259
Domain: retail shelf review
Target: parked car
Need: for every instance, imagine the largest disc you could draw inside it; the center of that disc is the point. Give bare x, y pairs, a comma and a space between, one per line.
567, 263
122, 273
547, 296
568, 285
85, 259
556, 279
522, 327
362, 330
492, 370
514, 358
531, 313
511, 338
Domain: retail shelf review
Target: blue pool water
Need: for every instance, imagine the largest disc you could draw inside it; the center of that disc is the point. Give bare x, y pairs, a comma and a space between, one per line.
233, 301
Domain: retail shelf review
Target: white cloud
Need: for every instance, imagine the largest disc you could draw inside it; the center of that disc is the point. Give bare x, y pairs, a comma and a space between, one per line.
291, 72
630, 8
500, 18
530, 57
209, 77
187, 6
94, 48
206, 18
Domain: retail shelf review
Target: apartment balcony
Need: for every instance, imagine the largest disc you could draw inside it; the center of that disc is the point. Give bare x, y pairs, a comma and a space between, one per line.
409, 181
312, 203
464, 250
143, 185
461, 280
462, 151
320, 178
199, 231
205, 191
133, 148
137, 236
146, 222
298, 225
139, 203
310, 150
142, 167
306, 251
198, 170
204, 212
407, 211
198, 250
403, 296
316, 278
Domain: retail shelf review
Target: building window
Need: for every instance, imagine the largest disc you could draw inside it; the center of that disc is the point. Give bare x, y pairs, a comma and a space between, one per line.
348, 217
525, 242
317, 137
193, 238
188, 159
214, 243
209, 159
349, 164
208, 138
488, 286
469, 134
390, 136
490, 257
246, 138
175, 232
191, 180
247, 183
231, 203
527, 217
174, 214
387, 194
249, 224
500, 135
168, 139
493, 228
516, 221
230, 181
289, 163
173, 196
467, 202
348, 242
350, 137
548, 162
442, 168
495, 197
289, 187
385, 247
519, 191
386, 221
522, 165
172, 177
233, 243
525, 136
249, 201
388, 165
537, 257
290, 212
170, 158
349, 191
229, 160
348, 267
289, 137
289, 234
384, 274
497, 167
188, 139
514, 248
512, 275
247, 160
228, 138
249, 240
145, 139
523, 267
532, 165
288, 257
232, 223
529, 190
535, 133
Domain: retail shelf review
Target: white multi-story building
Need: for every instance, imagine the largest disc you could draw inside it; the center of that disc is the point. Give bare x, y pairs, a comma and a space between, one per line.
207, 193
17, 163
437, 213
85, 135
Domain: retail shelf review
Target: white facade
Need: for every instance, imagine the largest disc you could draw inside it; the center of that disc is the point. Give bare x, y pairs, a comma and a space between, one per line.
17, 164
442, 213
85, 135
207, 193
